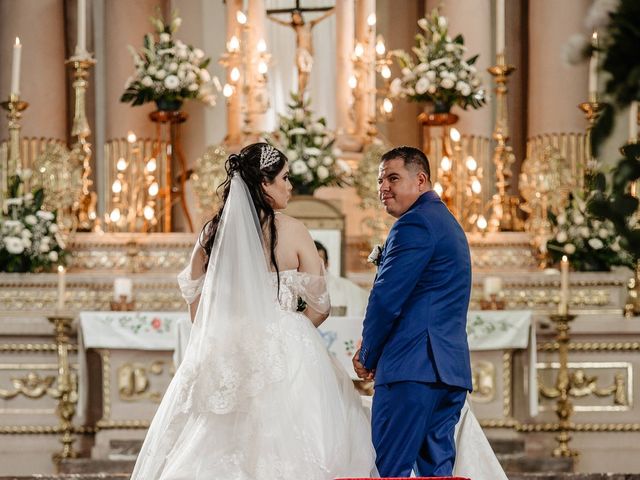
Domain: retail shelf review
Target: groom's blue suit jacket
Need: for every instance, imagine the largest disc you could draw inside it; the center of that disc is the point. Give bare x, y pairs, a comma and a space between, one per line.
415, 324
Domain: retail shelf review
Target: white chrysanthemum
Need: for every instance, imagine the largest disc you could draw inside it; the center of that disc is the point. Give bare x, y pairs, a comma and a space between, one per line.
292, 155
317, 141
53, 228
198, 53
327, 161
26, 242
595, 243
561, 236
585, 232
569, 248
30, 220
447, 83
603, 233
312, 162
172, 82
44, 247
577, 217
147, 81
193, 87
160, 74
298, 167
322, 172
14, 245
53, 256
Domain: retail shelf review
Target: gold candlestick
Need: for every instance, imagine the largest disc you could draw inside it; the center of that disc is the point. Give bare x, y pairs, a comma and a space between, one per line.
81, 148
14, 106
592, 110
66, 391
502, 216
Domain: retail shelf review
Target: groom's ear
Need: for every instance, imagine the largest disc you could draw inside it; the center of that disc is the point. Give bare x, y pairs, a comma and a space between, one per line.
423, 181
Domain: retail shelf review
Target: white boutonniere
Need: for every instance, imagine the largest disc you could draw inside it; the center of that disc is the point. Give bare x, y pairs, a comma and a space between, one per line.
374, 256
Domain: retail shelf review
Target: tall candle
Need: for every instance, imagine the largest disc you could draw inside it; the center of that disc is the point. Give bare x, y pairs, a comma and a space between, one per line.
563, 307
500, 26
15, 67
81, 45
61, 287
593, 69
633, 122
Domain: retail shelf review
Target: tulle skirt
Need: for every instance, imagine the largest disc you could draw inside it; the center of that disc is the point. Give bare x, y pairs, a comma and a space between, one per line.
315, 428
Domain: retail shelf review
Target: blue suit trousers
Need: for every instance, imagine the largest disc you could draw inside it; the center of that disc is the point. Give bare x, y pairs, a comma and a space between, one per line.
413, 425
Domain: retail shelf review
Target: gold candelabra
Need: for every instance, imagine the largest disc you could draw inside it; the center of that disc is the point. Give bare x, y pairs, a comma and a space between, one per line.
85, 210
66, 391
247, 67
503, 215
384, 105
564, 406
14, 107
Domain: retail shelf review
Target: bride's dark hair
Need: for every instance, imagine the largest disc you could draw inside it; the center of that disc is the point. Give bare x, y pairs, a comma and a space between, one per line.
247, 165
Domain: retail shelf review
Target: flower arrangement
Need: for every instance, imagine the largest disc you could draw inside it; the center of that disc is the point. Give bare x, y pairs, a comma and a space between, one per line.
168, 71
590, 243
29, 236
309, 146
438, 73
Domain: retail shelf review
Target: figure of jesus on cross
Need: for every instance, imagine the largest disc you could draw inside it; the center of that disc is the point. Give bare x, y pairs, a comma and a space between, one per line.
304, 37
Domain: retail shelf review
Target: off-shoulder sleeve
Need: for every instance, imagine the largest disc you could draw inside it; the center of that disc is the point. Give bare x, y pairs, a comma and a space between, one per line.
314, 291
191, 278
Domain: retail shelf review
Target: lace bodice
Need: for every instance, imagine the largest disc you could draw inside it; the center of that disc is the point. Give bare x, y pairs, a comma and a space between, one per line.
311, 288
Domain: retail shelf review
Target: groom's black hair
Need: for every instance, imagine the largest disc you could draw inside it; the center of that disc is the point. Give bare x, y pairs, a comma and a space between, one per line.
413, 157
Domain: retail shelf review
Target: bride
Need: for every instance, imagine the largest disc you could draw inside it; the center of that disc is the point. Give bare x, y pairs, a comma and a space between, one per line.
256, 396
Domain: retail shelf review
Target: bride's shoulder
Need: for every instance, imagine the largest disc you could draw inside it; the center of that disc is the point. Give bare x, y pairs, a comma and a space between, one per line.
290, 223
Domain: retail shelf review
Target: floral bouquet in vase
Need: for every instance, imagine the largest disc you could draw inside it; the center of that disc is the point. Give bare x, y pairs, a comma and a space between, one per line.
438, 72
29, 237
589, 242
308, 144
168, 71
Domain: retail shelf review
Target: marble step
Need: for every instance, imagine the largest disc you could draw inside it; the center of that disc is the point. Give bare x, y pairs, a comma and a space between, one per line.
88, 466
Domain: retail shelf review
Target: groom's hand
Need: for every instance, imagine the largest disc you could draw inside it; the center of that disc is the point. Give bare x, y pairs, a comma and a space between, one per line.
362, 372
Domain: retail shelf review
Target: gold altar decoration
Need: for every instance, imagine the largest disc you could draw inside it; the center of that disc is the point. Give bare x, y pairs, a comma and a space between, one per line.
247, 64
133, 381
384, 104
67, 389
12, 163
363, 84
561, 390
208, 175
504, 205
85, 208
138, 172
632, 304
592, 110
544, 184
61, 176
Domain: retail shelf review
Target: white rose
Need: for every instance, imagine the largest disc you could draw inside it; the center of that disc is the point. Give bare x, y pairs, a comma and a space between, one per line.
165, 37
615, 246
173, 66
198, 53
585, 232
344, 166
603, 233
30, 220
312, 151
447, 83
205, 76
53, 256
292, 155
449, 47
312, 162
298, 167
26, 242
193, 87
595, 243
44, 247
26, 233
172, 82
561, 219
322, 172
569, 248
462, 74
432, 89
45, 215
152, 70
577, 217
561, 237
422, 85
298, 114
190, 77
147, 81
422, 23
297, 131
395, 87
317, 141
14, 245
327, 161
442, 22
53, 228
160, 74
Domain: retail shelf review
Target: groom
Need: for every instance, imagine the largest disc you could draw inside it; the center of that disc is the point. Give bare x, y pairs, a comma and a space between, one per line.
414, 341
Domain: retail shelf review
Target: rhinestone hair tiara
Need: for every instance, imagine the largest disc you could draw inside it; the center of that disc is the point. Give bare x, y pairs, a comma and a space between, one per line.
268, 156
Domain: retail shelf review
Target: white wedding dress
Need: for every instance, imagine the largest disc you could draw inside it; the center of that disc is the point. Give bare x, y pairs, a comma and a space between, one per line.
257, 395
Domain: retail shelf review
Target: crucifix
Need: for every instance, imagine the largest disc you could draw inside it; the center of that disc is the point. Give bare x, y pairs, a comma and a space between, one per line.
304, 38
